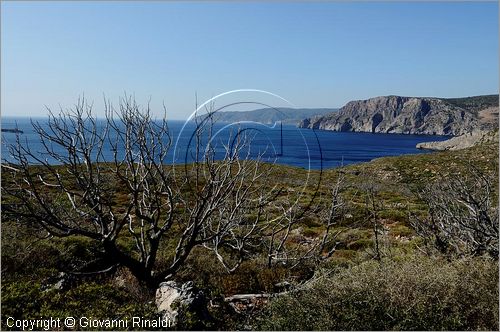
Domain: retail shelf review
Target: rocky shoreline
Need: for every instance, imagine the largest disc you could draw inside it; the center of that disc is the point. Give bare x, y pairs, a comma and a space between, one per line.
461, 142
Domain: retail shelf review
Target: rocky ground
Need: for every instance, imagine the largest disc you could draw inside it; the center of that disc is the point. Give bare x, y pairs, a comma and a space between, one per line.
461, 142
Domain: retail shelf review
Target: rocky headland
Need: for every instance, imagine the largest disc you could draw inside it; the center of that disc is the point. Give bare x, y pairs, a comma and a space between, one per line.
412, 115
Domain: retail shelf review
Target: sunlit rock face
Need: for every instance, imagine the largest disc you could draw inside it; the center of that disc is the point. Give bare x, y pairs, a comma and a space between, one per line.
409, 115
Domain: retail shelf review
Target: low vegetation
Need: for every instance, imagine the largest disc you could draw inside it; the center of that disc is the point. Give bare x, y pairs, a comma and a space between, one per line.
357, 249
407, 293
475, 103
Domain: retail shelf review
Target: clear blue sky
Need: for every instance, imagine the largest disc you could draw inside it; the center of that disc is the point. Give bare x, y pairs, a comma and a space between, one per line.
314, 54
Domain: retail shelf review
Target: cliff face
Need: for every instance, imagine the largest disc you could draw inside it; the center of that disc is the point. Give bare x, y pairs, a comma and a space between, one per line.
409, 115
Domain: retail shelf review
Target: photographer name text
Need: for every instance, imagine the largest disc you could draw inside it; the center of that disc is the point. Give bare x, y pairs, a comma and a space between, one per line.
51, 323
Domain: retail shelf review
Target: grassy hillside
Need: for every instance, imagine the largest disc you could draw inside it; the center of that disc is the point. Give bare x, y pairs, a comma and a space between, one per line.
31, 261
474, 103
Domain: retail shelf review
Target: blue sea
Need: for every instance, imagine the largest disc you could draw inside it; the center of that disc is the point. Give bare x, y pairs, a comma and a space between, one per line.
287, 144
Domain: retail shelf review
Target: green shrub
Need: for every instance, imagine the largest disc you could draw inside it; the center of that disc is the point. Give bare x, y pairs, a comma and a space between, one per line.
24, 255
252, 276
342, 258
26, 300
401, 230
413, 294
360, 244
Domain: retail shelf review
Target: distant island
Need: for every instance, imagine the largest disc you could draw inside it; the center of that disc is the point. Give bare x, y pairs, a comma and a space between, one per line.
12, 130
272, 115
412, 115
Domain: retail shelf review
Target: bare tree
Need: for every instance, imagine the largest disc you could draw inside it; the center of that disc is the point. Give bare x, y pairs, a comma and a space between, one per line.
338, 208
87, 165
279, 247
370, 190
372, 209
462, 212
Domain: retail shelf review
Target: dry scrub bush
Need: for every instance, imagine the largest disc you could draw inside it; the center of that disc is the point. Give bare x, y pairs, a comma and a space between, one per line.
418, 293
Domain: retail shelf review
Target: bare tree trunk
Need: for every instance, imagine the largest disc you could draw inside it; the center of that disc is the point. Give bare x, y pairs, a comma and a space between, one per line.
462, 212
71, 188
